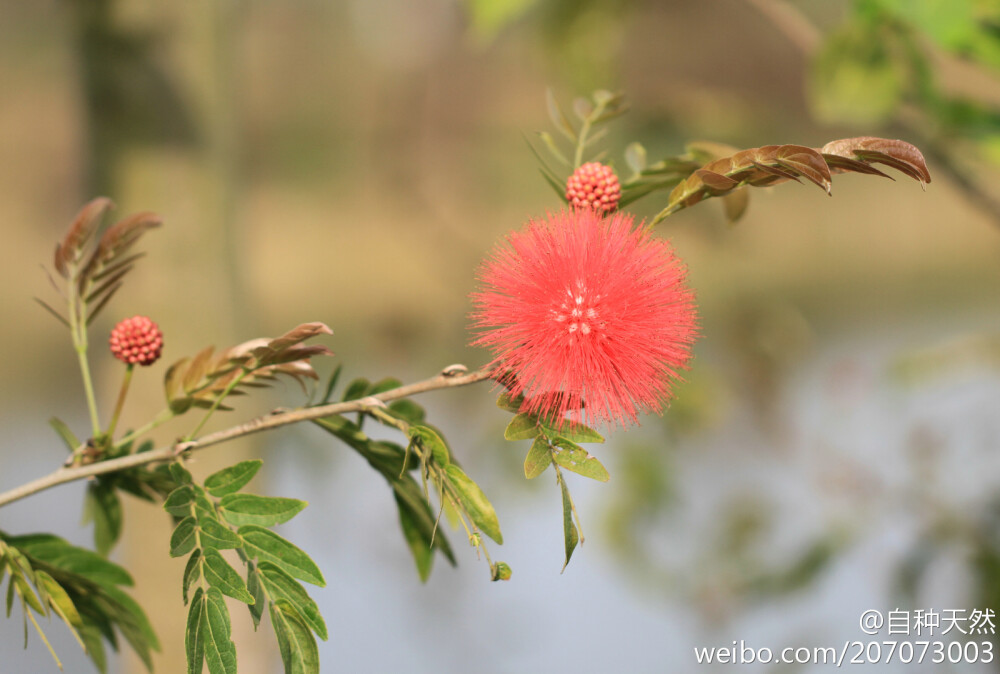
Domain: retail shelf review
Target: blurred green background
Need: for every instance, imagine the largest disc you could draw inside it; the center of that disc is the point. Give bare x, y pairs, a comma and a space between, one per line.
352, 161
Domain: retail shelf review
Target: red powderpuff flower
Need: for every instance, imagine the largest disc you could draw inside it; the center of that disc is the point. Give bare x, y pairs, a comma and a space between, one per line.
593, 185
578, 307
136, 340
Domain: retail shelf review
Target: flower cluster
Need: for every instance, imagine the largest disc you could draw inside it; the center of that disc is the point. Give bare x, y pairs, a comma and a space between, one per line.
593, 185
136, 340
583, 310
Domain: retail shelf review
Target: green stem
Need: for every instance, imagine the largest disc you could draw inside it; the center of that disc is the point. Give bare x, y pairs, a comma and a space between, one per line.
561, 481
121, 399
78, 331
88, 387
581, 141
160, 419
215, 405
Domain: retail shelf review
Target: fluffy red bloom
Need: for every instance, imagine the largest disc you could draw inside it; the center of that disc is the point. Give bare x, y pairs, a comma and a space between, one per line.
593, 185
136, 340
578, 307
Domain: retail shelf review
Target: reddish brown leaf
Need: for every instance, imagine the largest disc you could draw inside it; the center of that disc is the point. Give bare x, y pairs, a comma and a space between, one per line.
898, 154
839, 164
297, 353
298, 334
806, 162
735, 204
773, 164
114, 244
197, 369
103, 302
71, 249
715, 183
777, 173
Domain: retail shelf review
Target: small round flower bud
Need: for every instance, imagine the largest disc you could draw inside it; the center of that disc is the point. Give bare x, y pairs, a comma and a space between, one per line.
594, 185
136, 340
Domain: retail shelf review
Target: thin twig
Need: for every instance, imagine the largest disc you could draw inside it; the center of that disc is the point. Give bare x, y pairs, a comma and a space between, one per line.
263, 423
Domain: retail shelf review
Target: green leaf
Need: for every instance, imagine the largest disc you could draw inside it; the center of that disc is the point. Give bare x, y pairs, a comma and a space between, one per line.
105, 509
184, 538
476, 504
19, 579
180, 474
282, 586
132, 622
523, 426
577, 459
221, 575
571, 430
558, 117
423, 555
268, 546
220, 651
635, 157
58, 553
410, 497
408, 411
383, 385
296, 643
92, 643
11, 587
65, 433
538, 459
240, 509
178, 502
570, 534
506, 401
60, 601
191, 572
553, 149
204, 509
432, 441
194, 636
218, 536
256, 590
357, 389
331, 384
230, 480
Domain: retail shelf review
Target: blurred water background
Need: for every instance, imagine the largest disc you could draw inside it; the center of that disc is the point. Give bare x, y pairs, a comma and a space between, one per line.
834, 448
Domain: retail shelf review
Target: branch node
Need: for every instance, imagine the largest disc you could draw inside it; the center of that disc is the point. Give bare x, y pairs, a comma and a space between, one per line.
454, 370
182, 447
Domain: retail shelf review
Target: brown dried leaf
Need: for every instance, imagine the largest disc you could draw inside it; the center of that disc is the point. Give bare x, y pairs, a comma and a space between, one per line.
70, 250
773, 164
